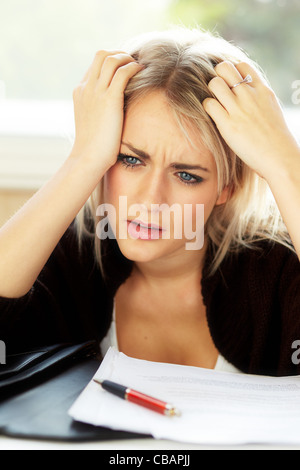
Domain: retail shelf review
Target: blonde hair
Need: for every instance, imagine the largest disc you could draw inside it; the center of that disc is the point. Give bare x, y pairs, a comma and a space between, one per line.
181, 63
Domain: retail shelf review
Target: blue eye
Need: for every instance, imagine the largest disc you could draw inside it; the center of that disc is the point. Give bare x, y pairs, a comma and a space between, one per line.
131, 160
187, 178
128, 160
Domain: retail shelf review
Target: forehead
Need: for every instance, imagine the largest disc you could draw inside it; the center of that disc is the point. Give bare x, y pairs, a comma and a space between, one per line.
151, 125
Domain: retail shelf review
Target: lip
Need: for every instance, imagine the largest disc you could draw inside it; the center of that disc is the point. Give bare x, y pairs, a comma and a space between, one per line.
145, 225
140, 231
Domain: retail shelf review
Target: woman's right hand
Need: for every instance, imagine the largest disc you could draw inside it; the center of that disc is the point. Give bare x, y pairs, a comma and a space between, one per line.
30, 236
98, 107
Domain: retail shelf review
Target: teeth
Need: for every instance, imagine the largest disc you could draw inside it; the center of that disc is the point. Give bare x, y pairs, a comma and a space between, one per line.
149, 228
146, 226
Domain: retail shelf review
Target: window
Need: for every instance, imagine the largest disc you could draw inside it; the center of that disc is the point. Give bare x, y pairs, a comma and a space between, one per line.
47, 45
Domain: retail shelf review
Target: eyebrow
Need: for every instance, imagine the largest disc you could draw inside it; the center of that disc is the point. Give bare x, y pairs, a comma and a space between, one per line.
177, 166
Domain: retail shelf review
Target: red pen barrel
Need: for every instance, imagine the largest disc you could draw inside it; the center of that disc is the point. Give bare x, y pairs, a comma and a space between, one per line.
138, 398
146, 401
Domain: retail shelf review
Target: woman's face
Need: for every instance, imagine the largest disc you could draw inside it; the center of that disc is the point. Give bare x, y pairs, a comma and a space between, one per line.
162, 178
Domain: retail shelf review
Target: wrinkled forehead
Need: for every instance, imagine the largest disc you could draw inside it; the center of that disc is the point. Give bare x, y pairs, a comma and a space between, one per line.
151, 125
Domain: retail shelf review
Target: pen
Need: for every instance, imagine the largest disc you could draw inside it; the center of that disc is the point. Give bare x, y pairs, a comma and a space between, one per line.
138, 398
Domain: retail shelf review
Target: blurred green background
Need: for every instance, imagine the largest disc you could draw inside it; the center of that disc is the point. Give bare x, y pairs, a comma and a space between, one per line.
46, 45
269, 30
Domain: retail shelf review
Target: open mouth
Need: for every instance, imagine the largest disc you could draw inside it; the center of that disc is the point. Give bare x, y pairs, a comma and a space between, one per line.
141, 230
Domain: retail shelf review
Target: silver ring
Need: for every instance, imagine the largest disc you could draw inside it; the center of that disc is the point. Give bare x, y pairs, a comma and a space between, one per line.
247, 79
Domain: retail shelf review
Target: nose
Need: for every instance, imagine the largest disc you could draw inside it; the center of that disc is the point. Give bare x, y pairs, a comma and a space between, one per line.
152, 191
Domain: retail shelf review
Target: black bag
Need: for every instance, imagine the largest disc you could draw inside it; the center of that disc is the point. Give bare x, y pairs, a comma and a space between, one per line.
26, 368
37, 389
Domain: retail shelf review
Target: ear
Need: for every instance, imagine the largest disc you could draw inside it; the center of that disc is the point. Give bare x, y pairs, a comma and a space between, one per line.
225, 194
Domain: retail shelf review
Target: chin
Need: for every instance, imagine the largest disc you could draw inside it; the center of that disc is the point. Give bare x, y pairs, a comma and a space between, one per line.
142, 251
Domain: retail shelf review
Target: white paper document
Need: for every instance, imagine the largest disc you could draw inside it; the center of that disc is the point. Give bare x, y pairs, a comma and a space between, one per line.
216, 407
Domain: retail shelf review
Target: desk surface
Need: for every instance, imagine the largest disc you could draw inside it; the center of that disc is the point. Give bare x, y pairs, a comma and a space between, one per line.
69, 384
130, 444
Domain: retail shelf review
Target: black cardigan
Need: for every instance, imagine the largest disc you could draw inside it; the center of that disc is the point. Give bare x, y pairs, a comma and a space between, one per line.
252, 302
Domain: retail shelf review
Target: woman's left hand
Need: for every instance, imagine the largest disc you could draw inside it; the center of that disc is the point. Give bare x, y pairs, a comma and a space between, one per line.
250, 119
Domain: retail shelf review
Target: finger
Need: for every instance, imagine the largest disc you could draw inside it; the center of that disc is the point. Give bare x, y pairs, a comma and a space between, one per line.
123, 75
223, 93
110, 66
215, 110
246, 69
232, 76
93, 71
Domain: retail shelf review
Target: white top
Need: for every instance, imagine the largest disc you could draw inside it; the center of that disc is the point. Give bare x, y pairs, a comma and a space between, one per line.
111, 340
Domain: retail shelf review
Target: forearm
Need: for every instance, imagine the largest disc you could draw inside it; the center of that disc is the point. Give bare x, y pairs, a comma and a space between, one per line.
285, 186
251, 121
29, 237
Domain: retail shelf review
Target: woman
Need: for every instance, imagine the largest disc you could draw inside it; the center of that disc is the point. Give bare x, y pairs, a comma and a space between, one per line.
201, 126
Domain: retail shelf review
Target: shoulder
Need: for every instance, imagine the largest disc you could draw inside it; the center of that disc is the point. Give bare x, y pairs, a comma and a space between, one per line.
265, 265
252, 304
265, 256
265, 259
